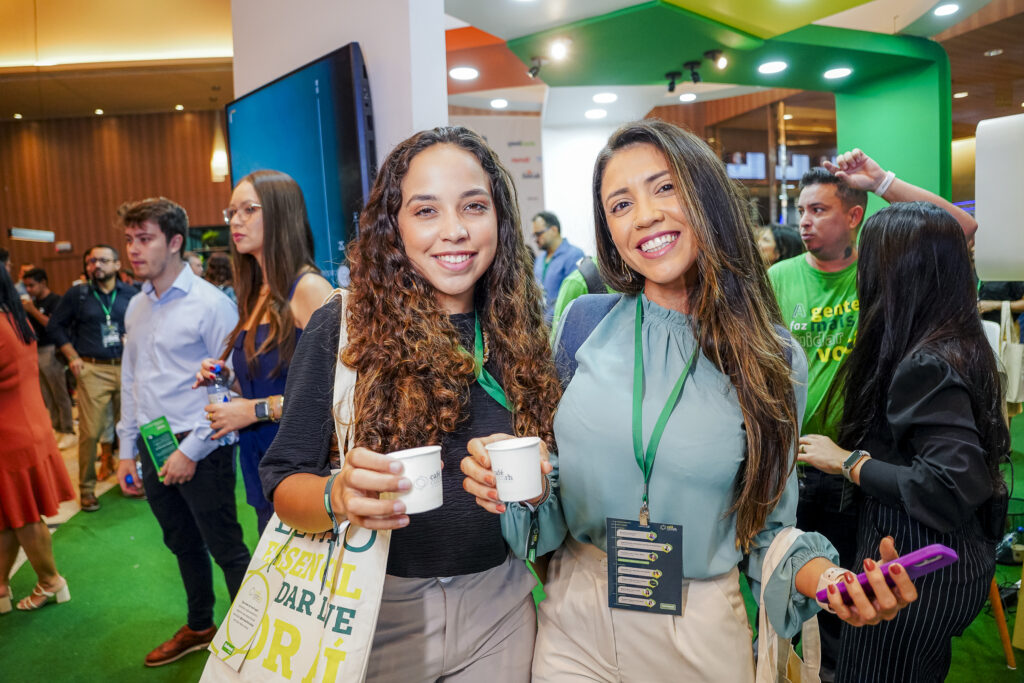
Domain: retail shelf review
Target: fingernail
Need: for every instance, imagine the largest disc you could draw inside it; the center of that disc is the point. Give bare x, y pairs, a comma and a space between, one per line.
895, 569
404, 484
832, 588
491, 481
398, 507
493, 495
501, 508
869, 564
403, 521
395, 466
849, 577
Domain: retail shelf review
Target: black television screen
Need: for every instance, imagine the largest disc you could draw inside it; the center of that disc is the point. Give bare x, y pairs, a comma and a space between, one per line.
315, 124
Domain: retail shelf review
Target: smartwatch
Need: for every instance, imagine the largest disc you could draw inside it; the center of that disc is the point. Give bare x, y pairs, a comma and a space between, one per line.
851, 460
262, 410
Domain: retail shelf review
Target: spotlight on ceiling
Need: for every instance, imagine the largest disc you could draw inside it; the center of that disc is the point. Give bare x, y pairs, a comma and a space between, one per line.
672, 77
947, 9
535, 65
687, 97
772, 67
960, 95
559, 49
98, 112
595, 114
787, 117
692, 68
839, 72
463, 73
605, 97
499, 103
717, 58
993, 53
179, 107
17, 116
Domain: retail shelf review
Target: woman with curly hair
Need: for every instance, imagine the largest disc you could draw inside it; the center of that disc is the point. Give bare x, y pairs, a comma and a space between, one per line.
680, 413
440, 254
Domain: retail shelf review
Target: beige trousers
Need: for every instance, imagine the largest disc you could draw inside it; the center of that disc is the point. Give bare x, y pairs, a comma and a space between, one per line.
580, 638
99, 387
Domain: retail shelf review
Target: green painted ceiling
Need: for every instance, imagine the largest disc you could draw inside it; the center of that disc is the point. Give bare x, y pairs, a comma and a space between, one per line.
639, 44
766, 18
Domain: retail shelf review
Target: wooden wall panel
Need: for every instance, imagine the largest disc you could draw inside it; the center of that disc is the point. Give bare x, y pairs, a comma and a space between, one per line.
70, 175
698, 116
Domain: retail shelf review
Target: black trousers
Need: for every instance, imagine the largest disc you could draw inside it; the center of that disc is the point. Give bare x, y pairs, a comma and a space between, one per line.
828, 505
198, 519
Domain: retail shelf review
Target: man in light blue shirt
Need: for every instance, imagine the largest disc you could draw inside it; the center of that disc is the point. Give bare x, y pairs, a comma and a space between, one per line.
178, 320
556, 260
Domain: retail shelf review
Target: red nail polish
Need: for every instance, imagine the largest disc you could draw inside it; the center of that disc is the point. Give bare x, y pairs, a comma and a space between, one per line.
895, 569
832, 588
501, 508
869, 564
849, 577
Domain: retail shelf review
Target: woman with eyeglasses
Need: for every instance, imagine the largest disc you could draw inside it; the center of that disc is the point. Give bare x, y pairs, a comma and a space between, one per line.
278, 287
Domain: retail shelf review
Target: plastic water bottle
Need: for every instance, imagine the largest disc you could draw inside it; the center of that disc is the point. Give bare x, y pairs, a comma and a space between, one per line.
218, 391
137, 479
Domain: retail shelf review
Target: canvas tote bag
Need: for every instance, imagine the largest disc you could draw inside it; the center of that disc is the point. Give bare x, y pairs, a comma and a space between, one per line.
777, 661
1011, 354
308, 606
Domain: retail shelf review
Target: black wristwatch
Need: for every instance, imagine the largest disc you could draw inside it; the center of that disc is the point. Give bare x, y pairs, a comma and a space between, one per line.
851, 461
262, 410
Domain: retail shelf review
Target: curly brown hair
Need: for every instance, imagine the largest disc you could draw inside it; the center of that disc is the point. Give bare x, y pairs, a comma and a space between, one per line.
733, 305
413, 378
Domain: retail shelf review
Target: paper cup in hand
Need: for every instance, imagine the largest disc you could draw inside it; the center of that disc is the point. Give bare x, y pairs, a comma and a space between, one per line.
423, 469
516, 467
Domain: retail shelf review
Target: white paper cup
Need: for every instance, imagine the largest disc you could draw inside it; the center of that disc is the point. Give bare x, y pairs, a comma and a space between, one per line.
423, 469
516, 467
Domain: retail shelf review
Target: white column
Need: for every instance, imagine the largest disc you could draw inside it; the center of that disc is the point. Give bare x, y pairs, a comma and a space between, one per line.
402, 42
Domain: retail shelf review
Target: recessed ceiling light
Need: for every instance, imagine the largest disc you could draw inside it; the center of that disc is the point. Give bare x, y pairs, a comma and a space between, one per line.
605, 97
787, 117
772, 67
960, 95
17, 116
947, 9
179, 107
499, 103
559, 49
839, 72
687, 97
463, 73
993, 53
98, 112
595, 114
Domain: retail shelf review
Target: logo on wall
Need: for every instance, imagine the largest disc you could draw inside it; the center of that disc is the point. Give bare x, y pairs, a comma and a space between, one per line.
520, 160
522, 143
531, 174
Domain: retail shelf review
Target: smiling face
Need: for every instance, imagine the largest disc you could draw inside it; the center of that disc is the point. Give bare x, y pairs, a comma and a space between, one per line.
448, 222
246, 225
827, 227
647, 223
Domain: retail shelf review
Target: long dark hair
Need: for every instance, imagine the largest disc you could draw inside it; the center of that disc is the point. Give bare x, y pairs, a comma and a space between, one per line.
287, 252
413, 381
733, 303
916, 290
787, 241
10, 303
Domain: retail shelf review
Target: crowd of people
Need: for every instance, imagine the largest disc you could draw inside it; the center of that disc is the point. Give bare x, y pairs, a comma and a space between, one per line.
832, 377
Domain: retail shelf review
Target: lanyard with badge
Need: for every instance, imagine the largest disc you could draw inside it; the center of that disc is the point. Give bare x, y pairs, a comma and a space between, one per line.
109, 334
645, 567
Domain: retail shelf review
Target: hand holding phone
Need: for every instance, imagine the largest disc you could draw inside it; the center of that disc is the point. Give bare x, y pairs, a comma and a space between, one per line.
918, 563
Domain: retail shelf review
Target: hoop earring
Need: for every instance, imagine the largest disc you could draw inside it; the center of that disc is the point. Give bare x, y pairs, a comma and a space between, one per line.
626, 271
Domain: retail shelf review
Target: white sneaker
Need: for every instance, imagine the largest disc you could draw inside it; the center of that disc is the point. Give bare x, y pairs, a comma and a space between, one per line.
67, 441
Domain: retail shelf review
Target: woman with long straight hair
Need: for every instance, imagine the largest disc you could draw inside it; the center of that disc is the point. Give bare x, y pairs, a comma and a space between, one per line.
923, 411
278, 286
33, 478
680, 415
440, 261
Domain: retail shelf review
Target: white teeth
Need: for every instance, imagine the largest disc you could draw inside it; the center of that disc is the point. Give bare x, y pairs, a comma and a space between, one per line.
658, 242
453, 258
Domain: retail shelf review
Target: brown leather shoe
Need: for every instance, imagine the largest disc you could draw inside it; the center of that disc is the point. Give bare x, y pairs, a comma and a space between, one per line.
89, 502
183, 642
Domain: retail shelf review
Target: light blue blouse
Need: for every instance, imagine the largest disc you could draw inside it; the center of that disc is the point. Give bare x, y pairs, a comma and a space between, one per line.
597, 476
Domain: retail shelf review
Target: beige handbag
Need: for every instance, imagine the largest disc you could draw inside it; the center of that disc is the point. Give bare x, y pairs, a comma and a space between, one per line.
1011, 354
777, 661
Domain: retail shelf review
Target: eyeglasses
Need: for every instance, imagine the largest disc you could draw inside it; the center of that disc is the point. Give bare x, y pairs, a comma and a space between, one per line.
538, 233
247, 211
94, 261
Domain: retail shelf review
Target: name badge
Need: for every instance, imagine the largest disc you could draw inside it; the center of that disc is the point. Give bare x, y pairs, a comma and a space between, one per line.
110, 335
645, 566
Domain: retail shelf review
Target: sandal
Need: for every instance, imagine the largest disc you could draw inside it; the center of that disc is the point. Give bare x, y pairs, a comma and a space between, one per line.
29, 603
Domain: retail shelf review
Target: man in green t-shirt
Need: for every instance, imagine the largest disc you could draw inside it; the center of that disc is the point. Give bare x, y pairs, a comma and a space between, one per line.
817, 294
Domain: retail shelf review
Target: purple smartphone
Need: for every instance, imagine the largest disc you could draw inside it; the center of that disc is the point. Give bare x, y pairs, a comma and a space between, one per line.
918, 563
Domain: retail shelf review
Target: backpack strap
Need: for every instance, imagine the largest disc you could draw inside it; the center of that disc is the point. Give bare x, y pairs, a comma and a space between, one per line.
577, 323
592, 276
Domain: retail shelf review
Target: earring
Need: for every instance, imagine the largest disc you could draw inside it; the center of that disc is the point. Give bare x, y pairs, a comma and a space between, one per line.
626, 271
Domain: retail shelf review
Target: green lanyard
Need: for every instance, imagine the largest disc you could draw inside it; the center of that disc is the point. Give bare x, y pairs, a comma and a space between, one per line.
113, 298
484, 378
645, 460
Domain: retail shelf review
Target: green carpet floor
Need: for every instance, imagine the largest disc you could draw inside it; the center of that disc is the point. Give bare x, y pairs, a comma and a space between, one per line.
127, 598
